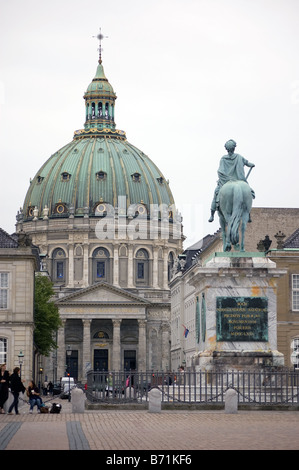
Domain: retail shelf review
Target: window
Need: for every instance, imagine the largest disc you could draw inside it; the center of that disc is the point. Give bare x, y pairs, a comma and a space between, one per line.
100, 269
65, 176
140, 270
3, 290
59, 265
101, 175
136, 177
295, 292
3, 350
59, 269
101, 265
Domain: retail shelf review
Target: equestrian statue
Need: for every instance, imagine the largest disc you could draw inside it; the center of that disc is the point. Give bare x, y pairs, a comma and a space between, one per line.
232, 198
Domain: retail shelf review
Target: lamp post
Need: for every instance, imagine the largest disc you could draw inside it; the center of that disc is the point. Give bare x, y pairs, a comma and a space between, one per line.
21, 358
69, 353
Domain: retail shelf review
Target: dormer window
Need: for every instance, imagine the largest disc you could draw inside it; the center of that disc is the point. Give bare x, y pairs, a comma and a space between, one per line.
136, 177
65, 176
101, 175
160, 180
40, 179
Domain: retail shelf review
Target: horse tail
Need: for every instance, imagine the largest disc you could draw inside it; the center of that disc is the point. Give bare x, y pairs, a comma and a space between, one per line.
236, 216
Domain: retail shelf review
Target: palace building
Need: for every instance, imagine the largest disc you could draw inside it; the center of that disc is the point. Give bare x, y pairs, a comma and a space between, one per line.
104, 219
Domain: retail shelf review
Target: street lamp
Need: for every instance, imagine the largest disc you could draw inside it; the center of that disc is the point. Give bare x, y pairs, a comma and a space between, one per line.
21, 358
69, 353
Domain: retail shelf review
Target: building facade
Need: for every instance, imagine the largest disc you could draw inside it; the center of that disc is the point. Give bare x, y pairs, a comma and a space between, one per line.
18, 263
105, 221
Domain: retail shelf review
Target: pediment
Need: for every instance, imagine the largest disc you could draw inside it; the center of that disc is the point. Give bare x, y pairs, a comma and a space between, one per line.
102, 293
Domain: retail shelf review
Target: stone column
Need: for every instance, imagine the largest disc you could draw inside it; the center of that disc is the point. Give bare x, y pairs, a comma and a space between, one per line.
165, 270
131, 280
115, 267
115, 363
155, 268
165, 359
85, 265
142, 346
86, 362
61, 359
71, 266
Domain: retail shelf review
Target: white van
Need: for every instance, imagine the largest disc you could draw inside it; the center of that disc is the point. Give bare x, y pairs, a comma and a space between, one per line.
67, 380
67, 384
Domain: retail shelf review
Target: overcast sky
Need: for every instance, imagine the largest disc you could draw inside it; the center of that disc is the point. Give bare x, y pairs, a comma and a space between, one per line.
189, 75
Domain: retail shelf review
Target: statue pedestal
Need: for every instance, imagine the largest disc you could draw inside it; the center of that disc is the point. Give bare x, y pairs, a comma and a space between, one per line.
236, 319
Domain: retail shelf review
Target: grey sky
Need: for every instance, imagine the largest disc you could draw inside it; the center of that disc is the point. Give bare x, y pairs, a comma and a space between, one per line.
189, 75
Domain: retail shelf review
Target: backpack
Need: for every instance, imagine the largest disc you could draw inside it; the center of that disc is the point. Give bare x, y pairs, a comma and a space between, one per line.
56, 408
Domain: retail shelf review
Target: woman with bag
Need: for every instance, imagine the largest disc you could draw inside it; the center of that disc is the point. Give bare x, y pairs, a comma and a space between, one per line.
4, 382
16, 386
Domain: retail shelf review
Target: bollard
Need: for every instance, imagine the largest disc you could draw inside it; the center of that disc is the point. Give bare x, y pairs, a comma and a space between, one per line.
154, 400
77, 400
231, 401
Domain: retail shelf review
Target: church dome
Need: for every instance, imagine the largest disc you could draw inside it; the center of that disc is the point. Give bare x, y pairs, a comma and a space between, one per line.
97, 167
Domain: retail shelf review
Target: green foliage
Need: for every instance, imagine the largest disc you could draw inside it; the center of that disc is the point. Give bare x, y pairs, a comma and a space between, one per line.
46, 316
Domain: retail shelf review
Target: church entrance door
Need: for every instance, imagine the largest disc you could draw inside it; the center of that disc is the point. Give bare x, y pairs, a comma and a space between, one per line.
129, 360
100, 359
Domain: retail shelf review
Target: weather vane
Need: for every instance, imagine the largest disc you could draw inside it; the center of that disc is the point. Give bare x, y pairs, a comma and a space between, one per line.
100, 36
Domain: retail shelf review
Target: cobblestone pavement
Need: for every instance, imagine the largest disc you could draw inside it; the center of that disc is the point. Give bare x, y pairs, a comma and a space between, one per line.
130, 430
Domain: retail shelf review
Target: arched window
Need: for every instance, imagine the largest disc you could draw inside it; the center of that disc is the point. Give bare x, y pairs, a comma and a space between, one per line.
59, 265
101, 265
142, 268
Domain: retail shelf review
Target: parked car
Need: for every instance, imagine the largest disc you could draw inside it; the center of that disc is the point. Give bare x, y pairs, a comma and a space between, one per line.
57, 388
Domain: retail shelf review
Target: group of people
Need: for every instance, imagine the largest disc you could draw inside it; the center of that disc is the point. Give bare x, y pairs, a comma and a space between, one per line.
14, 383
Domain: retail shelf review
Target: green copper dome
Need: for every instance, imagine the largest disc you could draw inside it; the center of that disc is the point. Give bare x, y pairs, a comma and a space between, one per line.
97, 167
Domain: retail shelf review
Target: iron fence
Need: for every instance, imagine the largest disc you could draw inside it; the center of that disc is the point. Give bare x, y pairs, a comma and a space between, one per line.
262, 387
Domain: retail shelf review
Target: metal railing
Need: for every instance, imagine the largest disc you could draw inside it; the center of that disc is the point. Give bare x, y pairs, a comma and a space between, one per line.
261, 387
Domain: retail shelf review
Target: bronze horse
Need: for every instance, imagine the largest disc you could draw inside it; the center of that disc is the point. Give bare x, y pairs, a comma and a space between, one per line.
235, 202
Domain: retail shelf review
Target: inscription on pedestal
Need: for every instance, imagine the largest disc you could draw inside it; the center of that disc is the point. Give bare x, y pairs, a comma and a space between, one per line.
242, 319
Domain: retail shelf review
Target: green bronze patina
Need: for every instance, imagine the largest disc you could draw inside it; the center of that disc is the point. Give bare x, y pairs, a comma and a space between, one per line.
232, 197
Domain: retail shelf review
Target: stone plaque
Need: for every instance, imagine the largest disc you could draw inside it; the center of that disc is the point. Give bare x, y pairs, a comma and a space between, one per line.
242, 318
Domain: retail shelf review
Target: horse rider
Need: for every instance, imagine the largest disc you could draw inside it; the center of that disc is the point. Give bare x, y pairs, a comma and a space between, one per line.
231, 168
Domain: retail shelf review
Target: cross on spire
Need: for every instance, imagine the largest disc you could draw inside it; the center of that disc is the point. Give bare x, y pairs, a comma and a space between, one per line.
100, 36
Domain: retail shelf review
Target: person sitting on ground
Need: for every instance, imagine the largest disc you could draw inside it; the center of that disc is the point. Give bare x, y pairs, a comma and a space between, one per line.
34, 397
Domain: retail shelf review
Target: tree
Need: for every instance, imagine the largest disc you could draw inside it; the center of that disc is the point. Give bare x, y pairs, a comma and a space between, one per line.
46, 315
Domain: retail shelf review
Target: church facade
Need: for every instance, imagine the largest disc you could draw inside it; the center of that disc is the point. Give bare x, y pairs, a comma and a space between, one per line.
104, 219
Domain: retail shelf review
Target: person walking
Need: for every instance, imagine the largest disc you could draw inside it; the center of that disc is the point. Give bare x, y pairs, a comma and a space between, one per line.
4, 382
16, 387
34, 396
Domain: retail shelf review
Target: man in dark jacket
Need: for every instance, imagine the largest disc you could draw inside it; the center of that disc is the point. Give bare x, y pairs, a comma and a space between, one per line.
16, 387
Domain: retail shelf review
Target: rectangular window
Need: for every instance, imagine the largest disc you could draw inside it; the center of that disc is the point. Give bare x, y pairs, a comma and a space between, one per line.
3, 350
140, 270
59, 270
295, 292
101, 269
3, 290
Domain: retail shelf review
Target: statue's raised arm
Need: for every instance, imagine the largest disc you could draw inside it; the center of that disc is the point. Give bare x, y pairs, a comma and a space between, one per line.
231, 177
